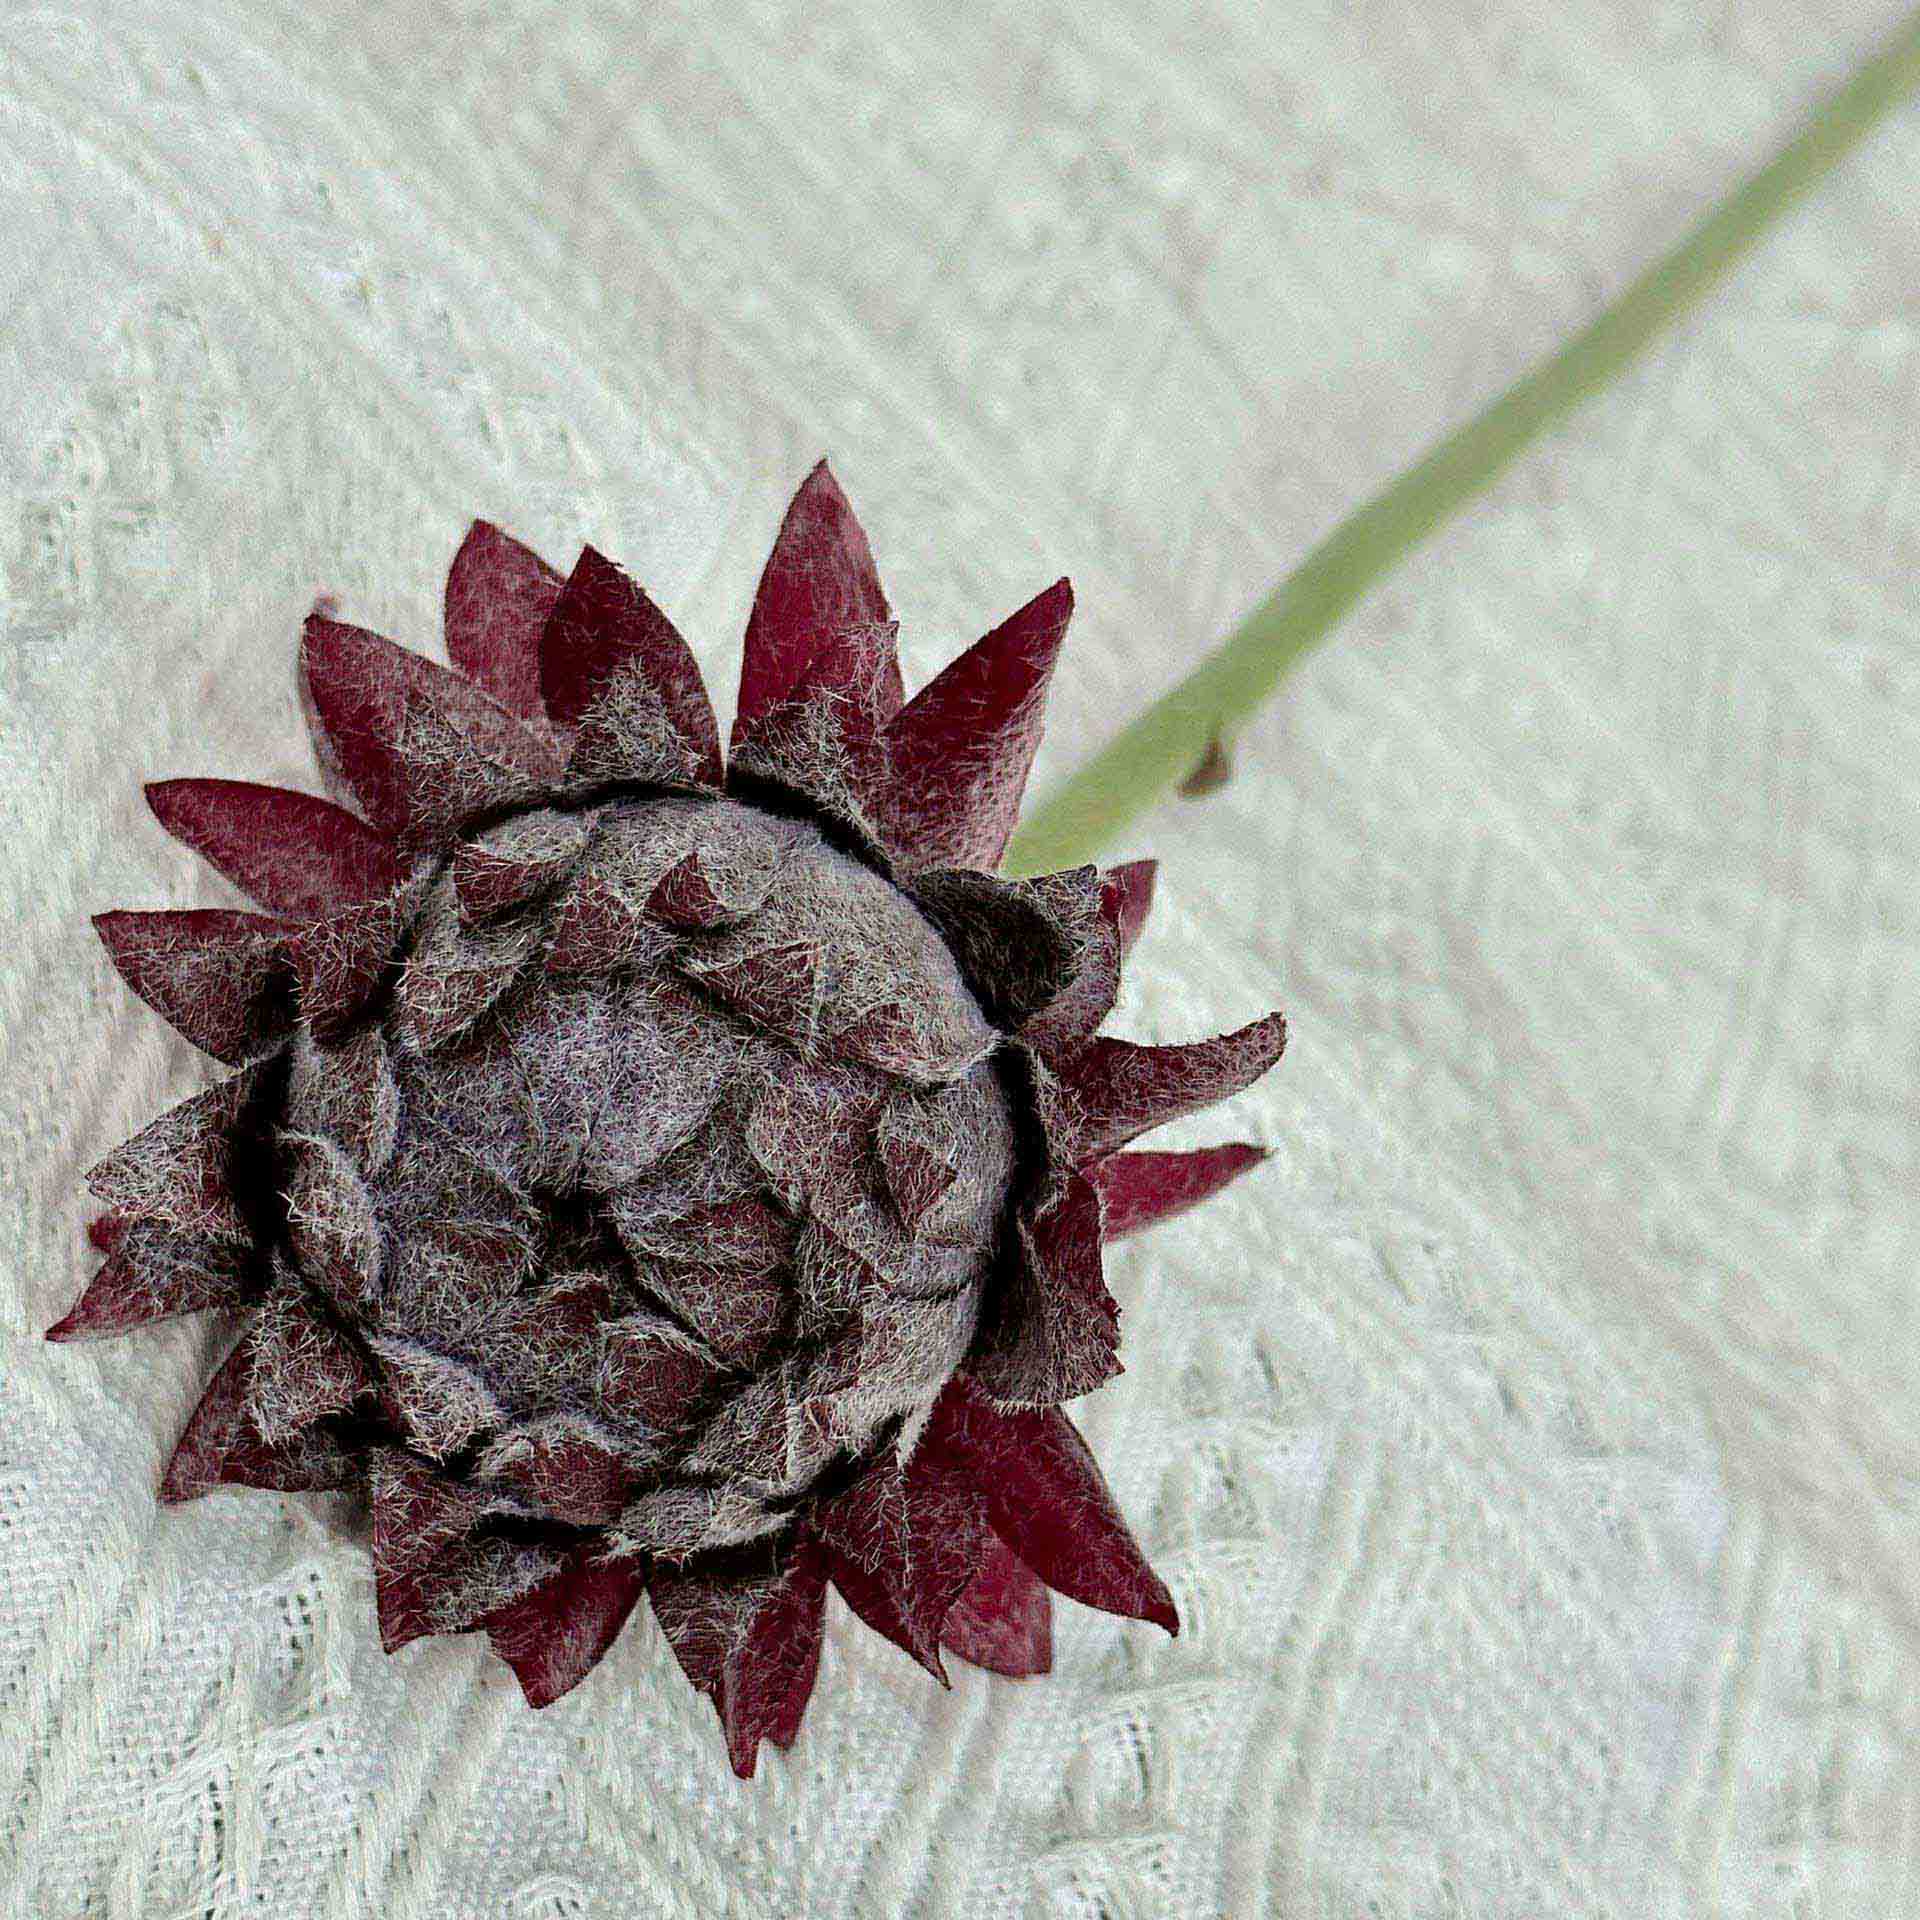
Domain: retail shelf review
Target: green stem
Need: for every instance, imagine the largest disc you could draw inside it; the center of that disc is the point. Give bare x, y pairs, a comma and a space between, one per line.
1171, 738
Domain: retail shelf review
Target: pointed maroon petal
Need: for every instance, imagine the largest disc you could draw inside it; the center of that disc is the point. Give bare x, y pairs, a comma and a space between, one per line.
298, 855
775, 986
556, 1635
488, 881
1129, 889
1046, 1497
1004, 1620
699, 892
959, 753
456, 1591
597, 929
1136, 1189
353, 688
826, 725
902, 1546
1117, 1090
153, 1275
216, 976
179, 1168
770, 1678
499, 594
747, 1634
400, 1610
855, 670
420, 1521
821, 741
419, 746
223, 1447
699, 1613
614, 665
880, 1608
685, 897
819, 577
1050, 1330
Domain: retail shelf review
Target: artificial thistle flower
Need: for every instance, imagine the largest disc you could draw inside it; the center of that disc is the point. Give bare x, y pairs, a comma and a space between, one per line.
654, 1170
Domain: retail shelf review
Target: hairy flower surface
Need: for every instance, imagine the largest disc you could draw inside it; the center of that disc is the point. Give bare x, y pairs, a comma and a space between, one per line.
650, 1170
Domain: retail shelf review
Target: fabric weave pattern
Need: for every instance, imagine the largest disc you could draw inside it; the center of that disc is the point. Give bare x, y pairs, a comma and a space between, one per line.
1531, 1444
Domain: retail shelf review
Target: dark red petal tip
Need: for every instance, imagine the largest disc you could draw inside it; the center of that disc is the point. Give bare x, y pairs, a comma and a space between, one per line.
614, 665
771, 1676
298, 855
1138, 1189
554, 1636
348, 680
820, 739
416, 745
151, 1275
901, 1546
1118, 1090
499, 593
960, 751
224, 1447
106, 1230
214, 975
1004, 1620
751, 1643
1046, 1497
420, 1522
1129, 888
179, 1168
819, 578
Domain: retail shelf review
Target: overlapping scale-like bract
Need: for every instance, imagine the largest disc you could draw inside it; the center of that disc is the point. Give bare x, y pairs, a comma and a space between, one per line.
659, 1172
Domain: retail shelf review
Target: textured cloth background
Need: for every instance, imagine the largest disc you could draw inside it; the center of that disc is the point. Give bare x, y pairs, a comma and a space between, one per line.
1533, 1446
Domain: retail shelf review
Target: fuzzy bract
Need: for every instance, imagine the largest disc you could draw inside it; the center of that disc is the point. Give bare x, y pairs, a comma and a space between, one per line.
656, 1170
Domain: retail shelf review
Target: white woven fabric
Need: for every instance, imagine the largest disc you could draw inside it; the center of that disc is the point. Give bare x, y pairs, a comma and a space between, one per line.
1533, 1446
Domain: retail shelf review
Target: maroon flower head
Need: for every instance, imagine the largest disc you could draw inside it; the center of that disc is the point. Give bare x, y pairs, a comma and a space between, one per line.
654, 1170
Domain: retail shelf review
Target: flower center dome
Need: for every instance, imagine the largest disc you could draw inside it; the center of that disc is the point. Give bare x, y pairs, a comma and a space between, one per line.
697, 1165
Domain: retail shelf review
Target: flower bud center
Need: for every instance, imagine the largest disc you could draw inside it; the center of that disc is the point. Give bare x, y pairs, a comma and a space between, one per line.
698, 1162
